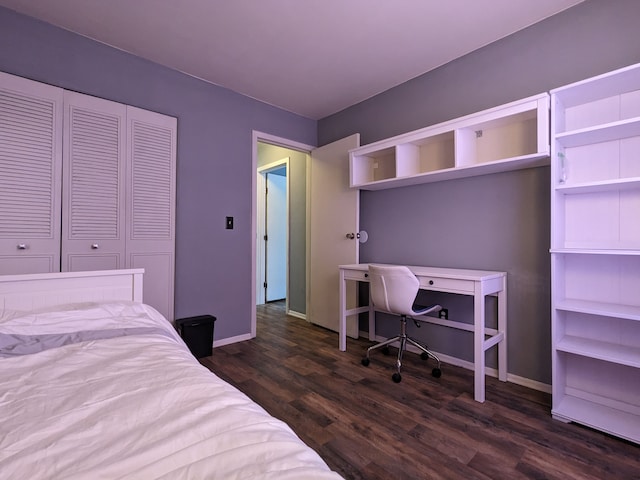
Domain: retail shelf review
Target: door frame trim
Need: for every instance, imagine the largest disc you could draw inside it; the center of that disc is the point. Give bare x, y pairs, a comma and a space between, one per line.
261, 263
262, 137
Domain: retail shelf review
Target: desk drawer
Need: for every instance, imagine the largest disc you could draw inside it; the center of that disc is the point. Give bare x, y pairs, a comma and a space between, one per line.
357, 275
447, 284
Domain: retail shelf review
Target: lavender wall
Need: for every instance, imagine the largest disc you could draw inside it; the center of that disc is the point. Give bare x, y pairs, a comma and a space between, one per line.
494, 222
214, 174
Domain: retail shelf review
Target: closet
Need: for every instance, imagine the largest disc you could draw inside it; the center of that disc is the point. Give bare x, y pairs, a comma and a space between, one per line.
86, 184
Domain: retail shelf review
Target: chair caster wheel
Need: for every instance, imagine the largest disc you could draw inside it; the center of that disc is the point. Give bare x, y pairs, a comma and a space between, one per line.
385, 350
424, 356
396, 377
365, 362
436, 372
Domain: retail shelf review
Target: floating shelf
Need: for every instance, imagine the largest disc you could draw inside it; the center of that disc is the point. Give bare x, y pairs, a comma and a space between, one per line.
509, 137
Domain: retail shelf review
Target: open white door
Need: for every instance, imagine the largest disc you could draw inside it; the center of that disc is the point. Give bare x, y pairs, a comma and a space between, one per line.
333, 213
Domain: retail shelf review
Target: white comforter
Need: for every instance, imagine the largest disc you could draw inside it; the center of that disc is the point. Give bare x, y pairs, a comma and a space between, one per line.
137, 406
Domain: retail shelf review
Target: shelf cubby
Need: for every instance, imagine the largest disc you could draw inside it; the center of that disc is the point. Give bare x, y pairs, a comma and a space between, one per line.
511, 136
426, 155
580, 333
610, 383
598, 414
613, 279
606, 351
601, 219
374, 167
597, 101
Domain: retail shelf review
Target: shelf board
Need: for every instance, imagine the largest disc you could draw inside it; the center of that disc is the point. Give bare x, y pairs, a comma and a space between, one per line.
503, 165
614, 310
594, 251
605, 351
600, 133
601, 417
601, 186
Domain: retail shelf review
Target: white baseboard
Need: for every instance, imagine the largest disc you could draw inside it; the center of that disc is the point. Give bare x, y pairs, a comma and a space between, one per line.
492, 372
297, 314
529, 383
230, 340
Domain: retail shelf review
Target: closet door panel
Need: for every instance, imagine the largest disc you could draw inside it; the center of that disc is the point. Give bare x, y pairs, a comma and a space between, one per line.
21, 263
151, 167
84, 263
30, 175
93, 236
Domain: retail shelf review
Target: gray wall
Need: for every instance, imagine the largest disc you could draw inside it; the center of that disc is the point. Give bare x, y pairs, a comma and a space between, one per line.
495, 222
214, 174
297, 219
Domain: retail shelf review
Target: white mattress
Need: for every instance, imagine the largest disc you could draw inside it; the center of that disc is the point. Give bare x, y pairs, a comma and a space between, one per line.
136, 406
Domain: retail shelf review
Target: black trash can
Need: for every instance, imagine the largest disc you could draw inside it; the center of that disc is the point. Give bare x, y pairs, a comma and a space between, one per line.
197, 333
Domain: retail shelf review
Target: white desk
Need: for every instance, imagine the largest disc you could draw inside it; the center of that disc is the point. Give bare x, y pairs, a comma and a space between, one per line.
476, 283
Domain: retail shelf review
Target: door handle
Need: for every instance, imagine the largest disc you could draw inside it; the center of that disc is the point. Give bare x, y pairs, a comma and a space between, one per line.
362, 236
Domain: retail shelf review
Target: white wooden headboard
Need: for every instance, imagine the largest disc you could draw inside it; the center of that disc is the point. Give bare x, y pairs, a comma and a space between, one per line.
40, 290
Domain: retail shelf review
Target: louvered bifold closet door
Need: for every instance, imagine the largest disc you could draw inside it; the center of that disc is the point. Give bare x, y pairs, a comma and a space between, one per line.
93, 228
30, 175
151, 173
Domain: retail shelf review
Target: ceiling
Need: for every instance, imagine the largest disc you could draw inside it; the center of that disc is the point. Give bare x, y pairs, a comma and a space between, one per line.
310, 57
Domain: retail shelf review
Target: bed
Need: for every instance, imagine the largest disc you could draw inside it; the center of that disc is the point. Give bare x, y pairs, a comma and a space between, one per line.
95, 384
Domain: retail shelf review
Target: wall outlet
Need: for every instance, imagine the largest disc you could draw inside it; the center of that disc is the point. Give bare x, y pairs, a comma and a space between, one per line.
444, 313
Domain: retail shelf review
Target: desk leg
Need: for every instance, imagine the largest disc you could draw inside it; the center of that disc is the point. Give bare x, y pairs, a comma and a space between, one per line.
372, 318
502, 327
342, 326
478, 342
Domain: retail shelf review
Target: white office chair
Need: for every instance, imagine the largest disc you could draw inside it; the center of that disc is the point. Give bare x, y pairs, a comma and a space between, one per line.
393, 290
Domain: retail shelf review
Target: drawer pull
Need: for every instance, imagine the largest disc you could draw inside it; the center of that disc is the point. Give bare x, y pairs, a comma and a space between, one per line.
22, 246
430, 282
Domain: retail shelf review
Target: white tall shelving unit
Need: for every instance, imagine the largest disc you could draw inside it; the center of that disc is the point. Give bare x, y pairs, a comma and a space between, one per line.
595, 247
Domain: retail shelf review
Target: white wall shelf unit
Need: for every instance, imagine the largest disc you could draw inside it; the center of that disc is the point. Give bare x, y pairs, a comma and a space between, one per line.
595, 252
508, 137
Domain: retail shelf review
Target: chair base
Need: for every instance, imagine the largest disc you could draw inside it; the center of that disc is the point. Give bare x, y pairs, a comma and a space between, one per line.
403, 338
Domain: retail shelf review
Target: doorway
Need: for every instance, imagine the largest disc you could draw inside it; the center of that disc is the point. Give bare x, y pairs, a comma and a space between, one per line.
305, 225
272, 232
268, 152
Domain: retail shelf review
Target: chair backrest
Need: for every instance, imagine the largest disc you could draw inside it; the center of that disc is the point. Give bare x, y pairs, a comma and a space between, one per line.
393, 288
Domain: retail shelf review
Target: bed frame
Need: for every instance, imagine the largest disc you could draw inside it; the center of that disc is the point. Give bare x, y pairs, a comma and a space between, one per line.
40, 290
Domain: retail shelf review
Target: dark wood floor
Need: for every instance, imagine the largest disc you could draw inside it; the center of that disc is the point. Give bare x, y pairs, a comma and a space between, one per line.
367, 427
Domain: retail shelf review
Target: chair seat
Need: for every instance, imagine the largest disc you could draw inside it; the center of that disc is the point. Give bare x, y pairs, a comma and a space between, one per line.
423, 310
